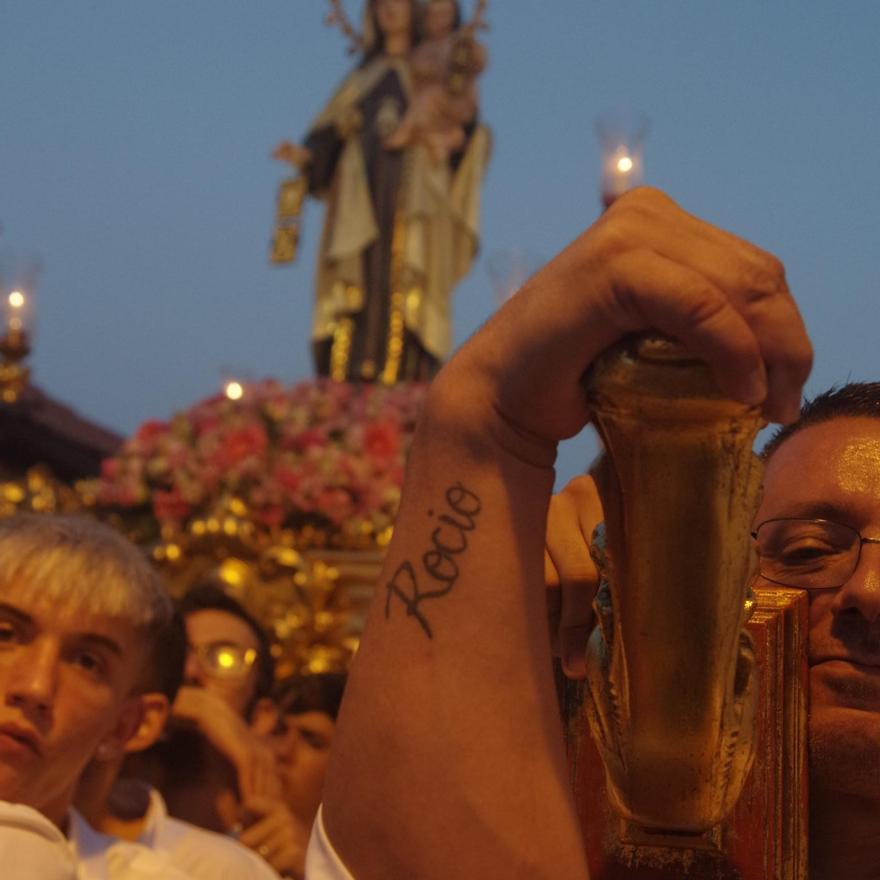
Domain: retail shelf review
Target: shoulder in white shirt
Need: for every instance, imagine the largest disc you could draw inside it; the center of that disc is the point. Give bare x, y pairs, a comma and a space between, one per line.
203, 855
322, 862
31, 846
168, 849
102, 857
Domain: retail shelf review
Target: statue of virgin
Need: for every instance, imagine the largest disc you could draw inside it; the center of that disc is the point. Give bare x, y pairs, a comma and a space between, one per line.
400, 229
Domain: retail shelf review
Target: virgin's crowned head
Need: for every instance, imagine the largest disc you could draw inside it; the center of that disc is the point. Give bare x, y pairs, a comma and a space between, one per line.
389, 18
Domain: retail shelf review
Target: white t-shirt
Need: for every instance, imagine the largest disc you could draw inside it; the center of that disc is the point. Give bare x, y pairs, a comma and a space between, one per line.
102, 857
32, 847
170, 845
322, 862
201, 853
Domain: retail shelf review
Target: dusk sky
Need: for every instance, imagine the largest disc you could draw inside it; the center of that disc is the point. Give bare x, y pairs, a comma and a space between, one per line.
134, 169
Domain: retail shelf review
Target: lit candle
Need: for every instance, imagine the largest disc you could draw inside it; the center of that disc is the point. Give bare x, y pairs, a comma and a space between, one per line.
14, 345
16, 314
622, 134
233, 390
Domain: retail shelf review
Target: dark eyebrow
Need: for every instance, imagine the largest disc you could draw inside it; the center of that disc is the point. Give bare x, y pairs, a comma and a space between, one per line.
101, 641
17, 613
95, 639
815, 510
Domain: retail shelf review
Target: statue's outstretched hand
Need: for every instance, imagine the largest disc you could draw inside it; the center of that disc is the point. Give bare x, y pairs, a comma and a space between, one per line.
293, 154
644, 265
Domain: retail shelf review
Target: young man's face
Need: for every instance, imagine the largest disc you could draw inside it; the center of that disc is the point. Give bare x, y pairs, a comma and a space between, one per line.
301, 743
831, 471
66, 680
207, 631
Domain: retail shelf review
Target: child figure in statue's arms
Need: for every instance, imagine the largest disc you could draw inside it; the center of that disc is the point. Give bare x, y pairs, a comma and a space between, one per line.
444, 65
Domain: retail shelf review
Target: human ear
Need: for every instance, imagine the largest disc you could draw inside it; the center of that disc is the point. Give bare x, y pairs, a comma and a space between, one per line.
139, 724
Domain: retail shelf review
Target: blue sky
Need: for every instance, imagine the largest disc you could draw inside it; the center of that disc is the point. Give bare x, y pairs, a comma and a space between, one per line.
134, 142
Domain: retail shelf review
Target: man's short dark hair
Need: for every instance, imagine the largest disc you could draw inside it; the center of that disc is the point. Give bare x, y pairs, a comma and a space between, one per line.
853, 400
318, 692
164, 670
210, 597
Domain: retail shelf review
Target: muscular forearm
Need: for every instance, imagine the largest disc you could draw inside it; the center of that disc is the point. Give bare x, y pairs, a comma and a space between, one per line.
465, 750
449, 758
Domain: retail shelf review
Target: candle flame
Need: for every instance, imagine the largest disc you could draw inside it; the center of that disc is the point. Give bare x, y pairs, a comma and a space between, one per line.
16, 299
234, 390
624, 164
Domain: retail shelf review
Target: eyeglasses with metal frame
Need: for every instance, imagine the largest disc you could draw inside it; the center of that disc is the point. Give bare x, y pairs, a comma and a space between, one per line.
810, 554
224, 659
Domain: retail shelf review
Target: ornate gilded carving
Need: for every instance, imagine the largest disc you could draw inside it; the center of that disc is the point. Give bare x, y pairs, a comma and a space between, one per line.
38, 492
285, 239
312, 601
671, 696
341, 349
765, 836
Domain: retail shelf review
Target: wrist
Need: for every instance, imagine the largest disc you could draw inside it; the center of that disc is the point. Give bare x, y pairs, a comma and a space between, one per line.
462, 415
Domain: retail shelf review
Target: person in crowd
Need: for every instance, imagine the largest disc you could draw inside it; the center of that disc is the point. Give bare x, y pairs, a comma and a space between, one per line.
80, 611
819, 516
817, 529
211, 768
130, 809
208, 760
299, 723
449, 758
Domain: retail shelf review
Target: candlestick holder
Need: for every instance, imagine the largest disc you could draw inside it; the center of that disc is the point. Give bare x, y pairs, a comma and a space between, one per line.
15, 346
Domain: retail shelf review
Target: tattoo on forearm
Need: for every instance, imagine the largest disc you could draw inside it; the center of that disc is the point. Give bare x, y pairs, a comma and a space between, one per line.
439, 564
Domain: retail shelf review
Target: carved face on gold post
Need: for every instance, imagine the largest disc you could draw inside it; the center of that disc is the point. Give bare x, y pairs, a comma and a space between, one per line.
831, 471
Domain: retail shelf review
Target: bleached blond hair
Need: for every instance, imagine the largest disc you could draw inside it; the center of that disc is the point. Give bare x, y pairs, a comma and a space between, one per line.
79, 563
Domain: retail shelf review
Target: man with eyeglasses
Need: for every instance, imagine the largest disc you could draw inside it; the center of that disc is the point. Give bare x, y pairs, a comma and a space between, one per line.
814, 530
448, 759
817, 528
113, 807
213, 770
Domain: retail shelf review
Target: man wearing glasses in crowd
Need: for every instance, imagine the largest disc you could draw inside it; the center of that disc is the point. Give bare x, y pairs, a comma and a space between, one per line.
817, 529
814, 531
212, 769
127, 809
448, 760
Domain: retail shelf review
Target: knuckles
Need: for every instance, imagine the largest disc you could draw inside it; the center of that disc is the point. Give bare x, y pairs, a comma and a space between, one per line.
644, 198
802, 360
764, 277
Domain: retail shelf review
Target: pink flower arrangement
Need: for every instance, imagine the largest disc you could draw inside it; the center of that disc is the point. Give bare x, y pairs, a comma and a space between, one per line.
323, 454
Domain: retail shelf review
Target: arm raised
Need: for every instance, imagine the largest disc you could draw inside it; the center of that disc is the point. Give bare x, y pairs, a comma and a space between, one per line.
449, 758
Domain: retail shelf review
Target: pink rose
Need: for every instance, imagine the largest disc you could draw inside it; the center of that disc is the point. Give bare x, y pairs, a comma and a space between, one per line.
272, 516
382, 440
169, 505
287, 478
335, 504
149, 435
309, 439
239, 444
